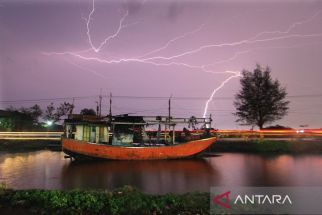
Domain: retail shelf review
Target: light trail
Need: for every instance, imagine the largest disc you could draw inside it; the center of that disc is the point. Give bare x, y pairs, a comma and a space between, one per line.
30, 138
236, 74
107, 39
30, 135
284, 133
30, 132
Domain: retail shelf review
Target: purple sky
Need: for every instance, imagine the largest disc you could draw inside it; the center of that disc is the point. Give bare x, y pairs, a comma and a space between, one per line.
45, 52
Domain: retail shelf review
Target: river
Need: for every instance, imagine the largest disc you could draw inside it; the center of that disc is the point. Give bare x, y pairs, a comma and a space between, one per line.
49, 170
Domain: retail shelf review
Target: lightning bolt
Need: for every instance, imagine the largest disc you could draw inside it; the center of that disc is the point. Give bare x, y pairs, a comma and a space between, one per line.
250, 40
107, 39
150, 60
203, 68
135, 60
154, 60
242, 42
173, 40
235, 56
85, 69
290, 28
235, 75
131, 60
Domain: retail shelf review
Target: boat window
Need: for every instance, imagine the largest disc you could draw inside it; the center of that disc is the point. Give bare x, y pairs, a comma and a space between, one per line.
92, 134
79, 132
102, 135
86, 133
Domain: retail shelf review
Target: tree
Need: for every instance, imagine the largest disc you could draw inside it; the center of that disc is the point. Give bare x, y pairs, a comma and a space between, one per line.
63, 110
50, 112
56, 114
7, 124
261, 100
87, 111
35, 112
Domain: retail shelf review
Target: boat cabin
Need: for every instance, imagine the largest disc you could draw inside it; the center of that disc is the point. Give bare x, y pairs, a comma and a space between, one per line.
86, 128
128, 130
124, 130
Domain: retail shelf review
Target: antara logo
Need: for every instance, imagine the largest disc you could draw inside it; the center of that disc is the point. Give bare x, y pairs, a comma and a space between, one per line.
262, 199
218, 200
223, 199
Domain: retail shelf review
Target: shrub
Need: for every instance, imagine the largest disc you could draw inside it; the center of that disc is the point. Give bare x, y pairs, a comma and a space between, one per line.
126, 200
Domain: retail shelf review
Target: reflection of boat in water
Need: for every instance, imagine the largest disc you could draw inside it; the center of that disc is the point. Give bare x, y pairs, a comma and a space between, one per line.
125, 138
159, 176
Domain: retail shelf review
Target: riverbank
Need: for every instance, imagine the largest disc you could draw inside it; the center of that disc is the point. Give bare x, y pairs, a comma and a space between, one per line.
126, 200
29, 145
293, 146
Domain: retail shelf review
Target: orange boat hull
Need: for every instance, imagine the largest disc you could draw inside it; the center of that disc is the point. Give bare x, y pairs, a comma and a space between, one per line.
77, 148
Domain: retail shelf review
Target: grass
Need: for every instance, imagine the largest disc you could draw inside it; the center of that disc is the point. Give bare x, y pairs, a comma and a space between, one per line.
125, 200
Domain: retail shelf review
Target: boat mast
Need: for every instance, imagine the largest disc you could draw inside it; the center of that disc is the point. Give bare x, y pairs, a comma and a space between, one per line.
169, 121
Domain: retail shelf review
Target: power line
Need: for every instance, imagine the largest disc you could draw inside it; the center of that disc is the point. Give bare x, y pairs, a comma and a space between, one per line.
139, 97
47, 99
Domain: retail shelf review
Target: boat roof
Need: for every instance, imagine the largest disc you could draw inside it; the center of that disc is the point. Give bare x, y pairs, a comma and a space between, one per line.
90, 119
85, 119
127, 118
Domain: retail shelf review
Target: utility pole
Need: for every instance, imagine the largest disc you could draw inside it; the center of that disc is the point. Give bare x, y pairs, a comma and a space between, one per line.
72, 108
97, 109
100, 104
169, 110
110, 111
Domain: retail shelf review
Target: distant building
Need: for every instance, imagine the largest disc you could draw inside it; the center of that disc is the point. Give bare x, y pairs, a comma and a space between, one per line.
4, 114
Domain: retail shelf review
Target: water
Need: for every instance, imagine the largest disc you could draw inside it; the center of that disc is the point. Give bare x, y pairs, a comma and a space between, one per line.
49, 170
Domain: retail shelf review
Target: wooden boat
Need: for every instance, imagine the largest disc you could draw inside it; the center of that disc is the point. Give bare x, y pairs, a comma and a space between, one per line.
77, 148
125, 138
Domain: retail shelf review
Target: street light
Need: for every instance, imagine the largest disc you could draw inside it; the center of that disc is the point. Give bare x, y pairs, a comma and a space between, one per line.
49, 123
